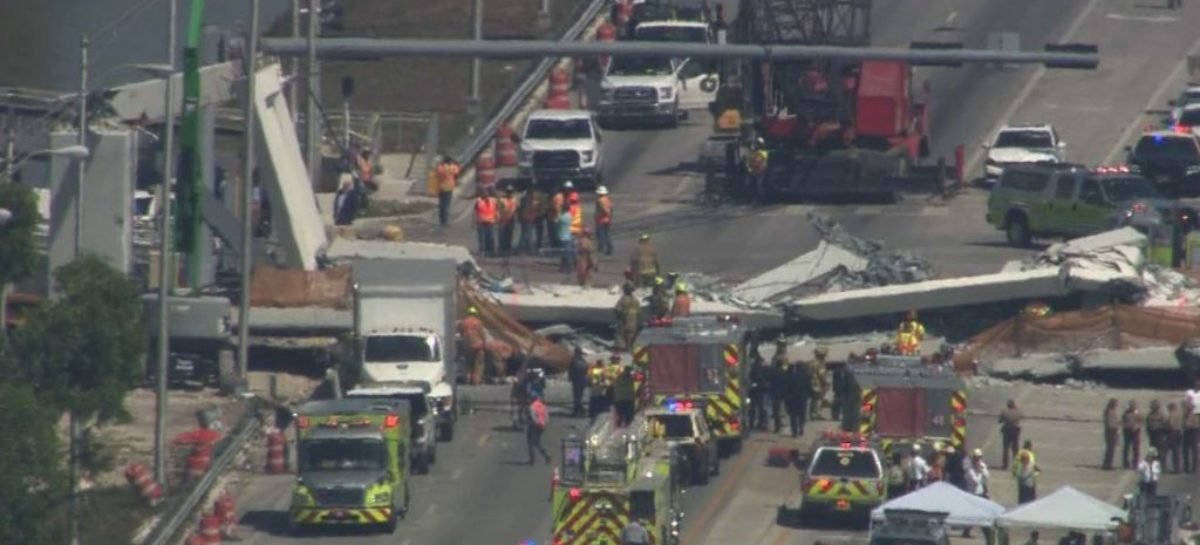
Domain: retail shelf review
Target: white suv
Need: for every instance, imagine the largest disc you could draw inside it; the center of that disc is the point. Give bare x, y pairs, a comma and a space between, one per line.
1022, 144
640, 89
559, 145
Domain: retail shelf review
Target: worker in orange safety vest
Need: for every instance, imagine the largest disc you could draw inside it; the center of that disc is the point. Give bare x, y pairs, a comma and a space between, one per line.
683, 302
446, 180
506, 212
909, 335
554, 209
485, 222
474, 341
604, 215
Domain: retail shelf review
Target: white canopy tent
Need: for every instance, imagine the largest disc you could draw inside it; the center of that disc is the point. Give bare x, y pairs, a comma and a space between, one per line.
1065, 509
964, 509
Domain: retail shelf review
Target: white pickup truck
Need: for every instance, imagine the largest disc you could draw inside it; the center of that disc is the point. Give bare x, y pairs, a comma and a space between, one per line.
559, 145
698, 80
641, 90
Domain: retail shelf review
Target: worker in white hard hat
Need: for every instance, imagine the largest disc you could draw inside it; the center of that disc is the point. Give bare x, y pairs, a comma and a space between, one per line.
919, 468
604, 217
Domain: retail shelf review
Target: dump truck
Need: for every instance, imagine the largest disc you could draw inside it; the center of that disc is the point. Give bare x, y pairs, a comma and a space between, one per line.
832, 128
702, 360
902, 401
353, 464
610, 477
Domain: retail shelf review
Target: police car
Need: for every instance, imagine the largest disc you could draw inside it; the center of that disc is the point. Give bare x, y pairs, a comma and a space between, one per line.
845, 475
682, 423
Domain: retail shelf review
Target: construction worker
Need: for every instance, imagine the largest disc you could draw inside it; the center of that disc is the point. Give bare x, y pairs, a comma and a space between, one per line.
446, 176
660, 300
778, 382
644, 262
756, 168
554, 209
529, 213
820, 381
598, 400
604, 214
585, 260
538, 417
576, 211
470, 331
566, 240
1025, 471
627, 314
485, 222
909, 335
683, 302
506, 215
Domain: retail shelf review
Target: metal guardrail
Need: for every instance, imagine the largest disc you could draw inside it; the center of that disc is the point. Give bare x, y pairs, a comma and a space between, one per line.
473, 144
181, 508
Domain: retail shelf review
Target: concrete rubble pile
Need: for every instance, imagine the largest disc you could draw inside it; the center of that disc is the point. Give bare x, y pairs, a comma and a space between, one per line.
883, 267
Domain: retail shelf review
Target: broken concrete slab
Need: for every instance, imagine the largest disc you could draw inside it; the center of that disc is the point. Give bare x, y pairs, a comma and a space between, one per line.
955, 292
344, 251
1155, 358
1125, 236
555, 303
840, 347
1032, 366
809, 267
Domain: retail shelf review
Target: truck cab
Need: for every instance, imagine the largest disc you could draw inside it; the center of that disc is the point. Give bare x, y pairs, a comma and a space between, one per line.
423, 417
353, 464
640, 90
558, 145
682, 423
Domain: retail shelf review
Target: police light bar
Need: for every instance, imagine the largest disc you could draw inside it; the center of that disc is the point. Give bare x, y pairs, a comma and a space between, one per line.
685, 405
1113, 169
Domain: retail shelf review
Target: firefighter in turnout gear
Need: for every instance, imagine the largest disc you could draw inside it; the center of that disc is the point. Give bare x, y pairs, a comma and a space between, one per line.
819, 376
660, 299
598, 400
644, 262
470, 331
683, 302
627, 311
909, 335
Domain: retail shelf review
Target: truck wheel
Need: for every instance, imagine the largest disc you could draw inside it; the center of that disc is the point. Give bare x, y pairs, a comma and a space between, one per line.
446, 432
1017, 231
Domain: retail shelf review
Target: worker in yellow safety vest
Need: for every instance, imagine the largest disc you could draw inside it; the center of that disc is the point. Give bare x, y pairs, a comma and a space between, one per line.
910, 335
756, 167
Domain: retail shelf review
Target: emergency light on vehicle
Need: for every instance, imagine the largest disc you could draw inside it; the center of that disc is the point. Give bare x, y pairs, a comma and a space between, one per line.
1112, 169
843, 505
391, 421
575, 494
685, 405
1182, 129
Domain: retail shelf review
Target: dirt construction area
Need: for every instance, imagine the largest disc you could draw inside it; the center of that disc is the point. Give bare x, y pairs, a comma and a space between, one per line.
428, 84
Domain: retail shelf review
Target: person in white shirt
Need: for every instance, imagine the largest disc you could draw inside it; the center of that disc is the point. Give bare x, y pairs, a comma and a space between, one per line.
920, 469
1193, 395
977, 474
1149, 471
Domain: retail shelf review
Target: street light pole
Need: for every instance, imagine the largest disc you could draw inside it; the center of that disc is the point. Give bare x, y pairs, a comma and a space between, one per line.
72, 422
247, 177
311, 121
294, 87
166, 265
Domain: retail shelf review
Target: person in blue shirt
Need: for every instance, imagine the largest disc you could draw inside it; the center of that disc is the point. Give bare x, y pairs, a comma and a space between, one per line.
568, 241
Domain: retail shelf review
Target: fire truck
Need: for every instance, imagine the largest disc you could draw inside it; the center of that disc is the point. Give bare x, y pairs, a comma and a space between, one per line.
831, 127
610, 477
700, 360
903, 400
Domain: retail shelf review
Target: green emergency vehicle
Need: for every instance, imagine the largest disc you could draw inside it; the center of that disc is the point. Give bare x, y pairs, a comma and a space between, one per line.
611, 477
844, 476
353, 463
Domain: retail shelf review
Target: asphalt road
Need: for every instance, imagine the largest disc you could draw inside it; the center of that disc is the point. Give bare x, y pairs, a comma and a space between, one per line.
480, 493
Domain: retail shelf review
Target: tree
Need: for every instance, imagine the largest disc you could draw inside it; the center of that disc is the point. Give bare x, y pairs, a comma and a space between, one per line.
31, 480
18, 249
83, 352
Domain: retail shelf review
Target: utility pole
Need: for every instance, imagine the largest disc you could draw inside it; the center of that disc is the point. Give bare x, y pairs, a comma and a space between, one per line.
247, 187
72, 422
477, 14
294, 85
312, 120
166, 265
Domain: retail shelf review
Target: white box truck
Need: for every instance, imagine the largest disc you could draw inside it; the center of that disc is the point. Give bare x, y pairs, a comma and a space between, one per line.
404, 324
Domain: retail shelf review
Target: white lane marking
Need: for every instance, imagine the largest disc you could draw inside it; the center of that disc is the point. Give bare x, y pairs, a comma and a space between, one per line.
1155, 100
1143, 18
456, 475
950, 18
977, 155
483, 439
